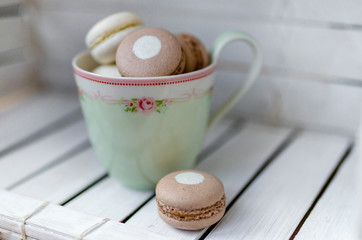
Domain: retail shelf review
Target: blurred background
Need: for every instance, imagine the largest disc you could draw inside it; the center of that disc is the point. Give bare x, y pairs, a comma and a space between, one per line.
312, 68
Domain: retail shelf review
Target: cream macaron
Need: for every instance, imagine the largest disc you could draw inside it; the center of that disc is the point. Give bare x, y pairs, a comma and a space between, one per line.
107, 70
104, 37
190, 199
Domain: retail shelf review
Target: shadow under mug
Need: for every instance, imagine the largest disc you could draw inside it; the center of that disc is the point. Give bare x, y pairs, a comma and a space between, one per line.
144, 128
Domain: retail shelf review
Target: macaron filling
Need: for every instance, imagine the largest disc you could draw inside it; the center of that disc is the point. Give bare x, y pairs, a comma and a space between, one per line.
110, 33
146, 47
190, 215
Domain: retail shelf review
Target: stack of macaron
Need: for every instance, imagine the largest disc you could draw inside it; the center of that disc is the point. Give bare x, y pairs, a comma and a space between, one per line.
123, 46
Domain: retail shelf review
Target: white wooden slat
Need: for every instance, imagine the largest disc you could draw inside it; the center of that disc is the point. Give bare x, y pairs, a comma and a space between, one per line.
317, 50
243, 8
15, 76
109, 199
58, 223
273, 206
115, 231
234, 164
13, 33
296, 102
104, 199
21, 163
324, 51
336, 214
9, 235
65, 179
5, 3
330, 11
32, 116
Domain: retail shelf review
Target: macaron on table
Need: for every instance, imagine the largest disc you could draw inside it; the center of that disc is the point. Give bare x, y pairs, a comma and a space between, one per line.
145, 90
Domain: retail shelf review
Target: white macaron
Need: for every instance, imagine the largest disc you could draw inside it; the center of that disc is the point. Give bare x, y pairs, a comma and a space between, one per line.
104, 37
107, 70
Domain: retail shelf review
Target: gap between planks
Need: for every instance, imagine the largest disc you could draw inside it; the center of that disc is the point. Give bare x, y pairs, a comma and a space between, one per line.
46, 112
269, 160
278, 199
332, 176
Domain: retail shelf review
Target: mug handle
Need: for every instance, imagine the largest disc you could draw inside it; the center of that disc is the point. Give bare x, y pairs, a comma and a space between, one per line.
253, 73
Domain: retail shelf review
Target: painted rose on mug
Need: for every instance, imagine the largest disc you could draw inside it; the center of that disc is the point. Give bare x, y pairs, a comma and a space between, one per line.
146, 105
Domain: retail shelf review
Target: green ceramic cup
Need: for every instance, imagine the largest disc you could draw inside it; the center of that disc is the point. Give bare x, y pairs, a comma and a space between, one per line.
143, 128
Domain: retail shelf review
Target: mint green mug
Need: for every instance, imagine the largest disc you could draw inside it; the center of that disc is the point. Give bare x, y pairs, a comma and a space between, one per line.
143, 128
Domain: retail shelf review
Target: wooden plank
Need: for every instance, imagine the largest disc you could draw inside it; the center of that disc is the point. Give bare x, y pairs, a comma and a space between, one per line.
235, 163
114, 231
5, 3
16, 75
336, 214
283, 100
109, 199
324, 51
22, 163
104, 199
9, 235
331, 11
36, 114
58, 223
234, 8
63, 180
275, 203
13, 33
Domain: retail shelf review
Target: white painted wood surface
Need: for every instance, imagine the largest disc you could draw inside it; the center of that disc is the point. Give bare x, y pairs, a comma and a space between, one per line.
277, 201
334, 217
234, 164
9, 235
32, 116
284, 101
112, 200
58, 223
328, 11
65, 179
24, 162
13, 33
15, 76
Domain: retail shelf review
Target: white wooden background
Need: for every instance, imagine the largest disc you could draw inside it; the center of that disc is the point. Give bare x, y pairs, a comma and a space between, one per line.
312, 49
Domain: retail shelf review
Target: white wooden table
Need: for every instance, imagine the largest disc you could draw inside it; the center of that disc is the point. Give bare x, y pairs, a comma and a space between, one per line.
280, 182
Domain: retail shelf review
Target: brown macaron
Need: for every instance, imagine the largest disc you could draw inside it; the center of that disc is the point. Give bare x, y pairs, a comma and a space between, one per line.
150, 52
190, 199
195, 52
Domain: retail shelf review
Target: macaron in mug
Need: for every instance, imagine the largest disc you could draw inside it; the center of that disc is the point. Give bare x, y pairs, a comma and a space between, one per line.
143, 128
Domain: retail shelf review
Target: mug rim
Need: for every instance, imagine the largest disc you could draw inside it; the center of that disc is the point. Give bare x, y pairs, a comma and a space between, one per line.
141, 81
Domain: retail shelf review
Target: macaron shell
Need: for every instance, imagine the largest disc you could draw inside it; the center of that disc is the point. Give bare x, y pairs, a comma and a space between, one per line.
110, 25
189, 196
164, 63
107, 70
181, 67
192, 225
196, 54
105, 52
104, 37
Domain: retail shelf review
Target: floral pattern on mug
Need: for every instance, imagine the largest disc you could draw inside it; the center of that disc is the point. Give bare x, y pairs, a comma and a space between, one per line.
144, 105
